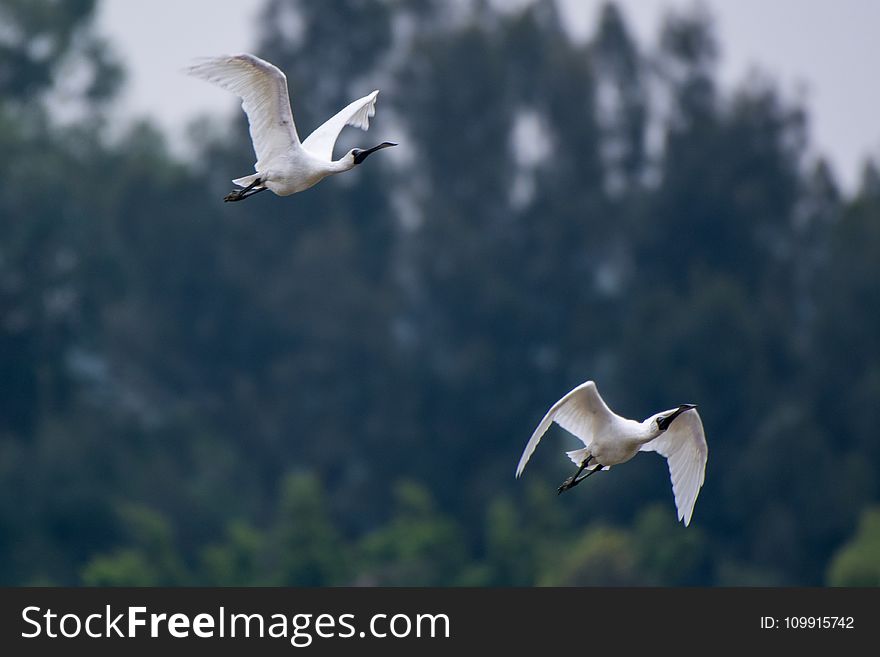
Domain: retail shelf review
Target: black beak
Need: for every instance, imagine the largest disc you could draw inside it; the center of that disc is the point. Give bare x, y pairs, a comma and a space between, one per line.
360, 156
664, 422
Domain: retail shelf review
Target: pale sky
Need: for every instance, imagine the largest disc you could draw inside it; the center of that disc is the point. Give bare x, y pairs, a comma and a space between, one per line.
829, 49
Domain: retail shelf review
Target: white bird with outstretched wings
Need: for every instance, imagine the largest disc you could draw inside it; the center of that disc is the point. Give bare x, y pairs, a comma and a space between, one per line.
609, 439
284, 164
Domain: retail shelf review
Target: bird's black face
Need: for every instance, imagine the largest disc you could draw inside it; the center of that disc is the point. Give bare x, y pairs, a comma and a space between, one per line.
361, 155
664, 421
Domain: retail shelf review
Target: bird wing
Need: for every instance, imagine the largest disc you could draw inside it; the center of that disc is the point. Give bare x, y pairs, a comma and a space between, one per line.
578, 412
262, 88
320, 143
684, 446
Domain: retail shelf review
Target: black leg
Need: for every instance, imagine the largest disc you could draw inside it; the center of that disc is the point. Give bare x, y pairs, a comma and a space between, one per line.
253, 191
571, 482
593, 471
568, 483
241, 194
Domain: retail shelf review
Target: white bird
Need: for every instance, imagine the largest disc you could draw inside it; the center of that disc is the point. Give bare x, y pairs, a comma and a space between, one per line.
609, 439
284, 164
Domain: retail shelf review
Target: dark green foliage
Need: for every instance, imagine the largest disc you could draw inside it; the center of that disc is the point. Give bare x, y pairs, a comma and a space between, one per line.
856, 564
151, 559
307, 547
334, 388
416, 547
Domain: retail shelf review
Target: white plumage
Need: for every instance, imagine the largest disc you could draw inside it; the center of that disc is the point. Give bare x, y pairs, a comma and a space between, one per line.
284, 164
357, 114
609, 439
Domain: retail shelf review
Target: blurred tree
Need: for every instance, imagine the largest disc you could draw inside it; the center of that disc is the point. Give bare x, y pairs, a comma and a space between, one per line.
42, 295
238, 561
152, 560
306, 547
601, 556
857, 563
622, 101
417, 547
668, 556
46, 40
847, 381
510, 551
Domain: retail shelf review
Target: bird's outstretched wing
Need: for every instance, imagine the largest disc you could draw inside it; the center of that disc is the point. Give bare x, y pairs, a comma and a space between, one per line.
320, 143
578, 412
684, 446
262, 88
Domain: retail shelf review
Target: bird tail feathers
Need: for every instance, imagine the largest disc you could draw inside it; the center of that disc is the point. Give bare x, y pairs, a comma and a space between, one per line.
577, 457
246, 180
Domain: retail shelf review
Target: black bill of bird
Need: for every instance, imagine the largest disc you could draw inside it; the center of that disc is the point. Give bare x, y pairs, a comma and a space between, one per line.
361, 155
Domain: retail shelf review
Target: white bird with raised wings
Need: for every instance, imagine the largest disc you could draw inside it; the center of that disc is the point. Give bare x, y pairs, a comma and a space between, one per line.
284, 164
609, 439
